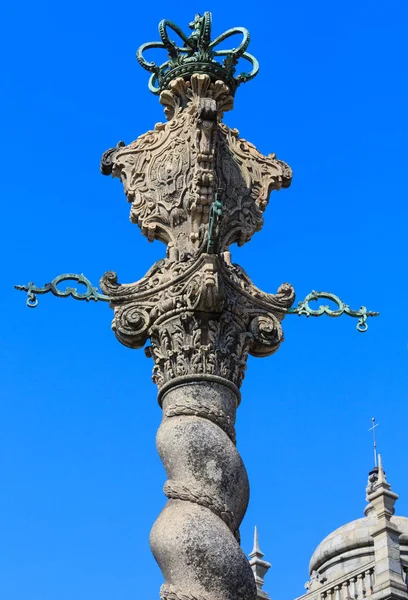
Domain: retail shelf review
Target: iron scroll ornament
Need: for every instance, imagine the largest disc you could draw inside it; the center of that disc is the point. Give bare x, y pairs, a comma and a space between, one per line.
92, 293
303, 308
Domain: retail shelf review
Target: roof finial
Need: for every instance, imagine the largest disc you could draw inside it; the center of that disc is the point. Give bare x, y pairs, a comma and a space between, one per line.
374, 425
256, 550
389, 573
381, 473
377, 480
259, 567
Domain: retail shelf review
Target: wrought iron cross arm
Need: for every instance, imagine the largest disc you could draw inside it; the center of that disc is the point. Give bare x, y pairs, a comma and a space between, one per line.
303, 308
91, 292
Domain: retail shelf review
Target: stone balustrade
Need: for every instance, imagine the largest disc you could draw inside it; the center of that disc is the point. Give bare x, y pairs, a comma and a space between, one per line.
354, 586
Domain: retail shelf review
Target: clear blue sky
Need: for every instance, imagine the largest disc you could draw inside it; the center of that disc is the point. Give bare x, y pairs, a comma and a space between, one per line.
80, 477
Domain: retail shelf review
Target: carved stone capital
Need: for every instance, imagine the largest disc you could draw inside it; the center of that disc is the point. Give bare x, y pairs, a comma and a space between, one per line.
203, 317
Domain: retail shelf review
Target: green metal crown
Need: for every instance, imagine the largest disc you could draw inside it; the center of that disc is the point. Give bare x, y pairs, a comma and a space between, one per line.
197, 55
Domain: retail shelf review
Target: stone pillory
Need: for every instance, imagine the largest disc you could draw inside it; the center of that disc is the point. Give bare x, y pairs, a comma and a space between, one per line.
194, 184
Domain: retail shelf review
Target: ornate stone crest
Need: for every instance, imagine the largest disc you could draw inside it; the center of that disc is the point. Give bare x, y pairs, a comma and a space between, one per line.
172, 174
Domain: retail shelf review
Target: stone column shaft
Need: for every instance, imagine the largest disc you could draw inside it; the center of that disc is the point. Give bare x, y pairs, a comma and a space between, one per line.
194, 540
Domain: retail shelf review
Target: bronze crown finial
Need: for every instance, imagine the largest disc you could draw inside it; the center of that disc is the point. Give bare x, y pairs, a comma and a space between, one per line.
197, 55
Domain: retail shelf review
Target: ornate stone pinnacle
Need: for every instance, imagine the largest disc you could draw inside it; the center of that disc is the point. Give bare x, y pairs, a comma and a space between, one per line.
197, 54
195, 185
389, 575
259, 566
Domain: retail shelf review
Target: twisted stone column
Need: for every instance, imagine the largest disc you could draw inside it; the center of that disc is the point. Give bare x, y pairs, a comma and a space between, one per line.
195, 539
198, 187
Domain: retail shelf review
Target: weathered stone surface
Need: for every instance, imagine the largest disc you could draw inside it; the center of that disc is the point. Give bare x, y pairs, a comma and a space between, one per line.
199, 556
195, 539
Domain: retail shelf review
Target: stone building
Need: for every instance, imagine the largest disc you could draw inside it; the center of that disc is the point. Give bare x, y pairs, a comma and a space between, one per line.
367, 557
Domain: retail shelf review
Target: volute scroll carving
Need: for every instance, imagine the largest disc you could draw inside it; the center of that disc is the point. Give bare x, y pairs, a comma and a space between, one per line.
202, 319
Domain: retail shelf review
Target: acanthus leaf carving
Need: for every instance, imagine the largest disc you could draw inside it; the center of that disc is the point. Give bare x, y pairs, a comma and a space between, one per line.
202, 319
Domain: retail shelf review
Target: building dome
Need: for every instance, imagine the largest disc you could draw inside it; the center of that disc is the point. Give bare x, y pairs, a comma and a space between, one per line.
350, 546
354, 558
